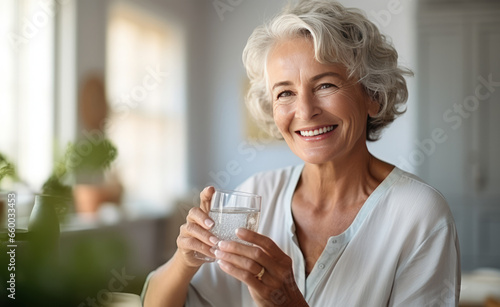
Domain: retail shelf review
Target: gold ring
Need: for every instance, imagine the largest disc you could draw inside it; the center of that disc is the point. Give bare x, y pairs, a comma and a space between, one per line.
261, 273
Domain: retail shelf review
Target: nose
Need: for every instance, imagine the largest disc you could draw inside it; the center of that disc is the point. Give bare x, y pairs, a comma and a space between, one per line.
306, 107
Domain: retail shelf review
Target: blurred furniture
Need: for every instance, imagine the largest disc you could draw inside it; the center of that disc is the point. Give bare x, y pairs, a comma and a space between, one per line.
492, 302
489, 302
481, 288
95, 245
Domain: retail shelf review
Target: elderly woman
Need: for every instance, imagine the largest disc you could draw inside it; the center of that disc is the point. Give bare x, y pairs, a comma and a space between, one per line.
344, 228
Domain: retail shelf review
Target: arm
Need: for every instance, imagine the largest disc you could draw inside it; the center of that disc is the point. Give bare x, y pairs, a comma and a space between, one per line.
169, 284
431, 275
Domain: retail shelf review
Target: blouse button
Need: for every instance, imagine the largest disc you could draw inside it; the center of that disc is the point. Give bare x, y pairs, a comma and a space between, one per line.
321, 266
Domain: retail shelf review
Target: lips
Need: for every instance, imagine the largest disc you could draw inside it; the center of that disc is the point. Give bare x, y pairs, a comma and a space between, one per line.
317, 131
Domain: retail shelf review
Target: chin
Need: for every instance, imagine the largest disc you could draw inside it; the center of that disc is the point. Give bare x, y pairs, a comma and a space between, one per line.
316, 157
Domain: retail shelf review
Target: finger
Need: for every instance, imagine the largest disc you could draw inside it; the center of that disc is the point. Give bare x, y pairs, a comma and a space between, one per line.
190, 244
254, 253
264, 242
243, 263
244, 276
194, 230
198, 216
249, 265
206, 197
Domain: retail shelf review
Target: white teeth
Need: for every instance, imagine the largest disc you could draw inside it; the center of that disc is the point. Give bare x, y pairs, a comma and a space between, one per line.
316, 131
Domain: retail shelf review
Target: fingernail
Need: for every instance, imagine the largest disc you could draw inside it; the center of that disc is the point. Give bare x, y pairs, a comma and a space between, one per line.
237, 231
218, 253
222, 244
209, 223
213, 249
213, 239
222, 264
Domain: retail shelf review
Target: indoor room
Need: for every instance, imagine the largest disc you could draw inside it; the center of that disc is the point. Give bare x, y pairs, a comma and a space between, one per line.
116, 114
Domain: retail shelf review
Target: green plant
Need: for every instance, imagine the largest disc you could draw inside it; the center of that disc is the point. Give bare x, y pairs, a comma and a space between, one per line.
97, 157
7, 169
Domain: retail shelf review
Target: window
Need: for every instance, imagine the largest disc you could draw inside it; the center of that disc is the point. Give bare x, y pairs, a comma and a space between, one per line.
27, 87
145, 86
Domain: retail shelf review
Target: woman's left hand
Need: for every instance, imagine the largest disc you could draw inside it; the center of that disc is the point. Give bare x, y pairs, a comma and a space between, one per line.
263, 267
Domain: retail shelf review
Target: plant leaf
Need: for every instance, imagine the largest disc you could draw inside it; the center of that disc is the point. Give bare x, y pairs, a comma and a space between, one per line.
6, 168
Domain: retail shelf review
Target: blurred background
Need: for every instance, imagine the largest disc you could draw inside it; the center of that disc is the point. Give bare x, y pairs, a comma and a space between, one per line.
163, 81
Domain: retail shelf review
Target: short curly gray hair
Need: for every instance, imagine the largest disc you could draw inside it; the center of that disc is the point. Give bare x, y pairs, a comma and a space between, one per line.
340, 35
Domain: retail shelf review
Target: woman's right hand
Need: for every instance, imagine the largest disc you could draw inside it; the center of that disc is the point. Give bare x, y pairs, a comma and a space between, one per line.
194, 235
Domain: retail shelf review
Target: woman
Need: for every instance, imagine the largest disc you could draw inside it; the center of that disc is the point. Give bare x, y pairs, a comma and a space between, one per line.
345, 228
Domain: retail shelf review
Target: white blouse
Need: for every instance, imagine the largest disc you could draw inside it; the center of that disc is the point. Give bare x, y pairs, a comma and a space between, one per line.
400, 250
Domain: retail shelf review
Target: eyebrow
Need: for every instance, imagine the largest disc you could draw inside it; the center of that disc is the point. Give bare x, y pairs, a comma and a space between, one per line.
328, 73
282, 83
315, 78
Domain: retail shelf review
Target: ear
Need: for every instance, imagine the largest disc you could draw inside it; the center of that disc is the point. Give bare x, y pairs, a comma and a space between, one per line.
373, 106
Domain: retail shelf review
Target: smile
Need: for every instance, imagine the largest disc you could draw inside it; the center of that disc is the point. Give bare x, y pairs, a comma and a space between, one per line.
318, 131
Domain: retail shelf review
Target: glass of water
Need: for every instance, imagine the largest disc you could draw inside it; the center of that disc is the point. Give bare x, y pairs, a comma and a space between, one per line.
231, 210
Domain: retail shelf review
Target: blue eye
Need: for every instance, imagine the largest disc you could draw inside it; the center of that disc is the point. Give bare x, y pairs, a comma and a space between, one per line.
284, 94
327, 85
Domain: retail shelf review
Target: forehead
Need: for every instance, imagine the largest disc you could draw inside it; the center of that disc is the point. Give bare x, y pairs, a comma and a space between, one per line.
296, 56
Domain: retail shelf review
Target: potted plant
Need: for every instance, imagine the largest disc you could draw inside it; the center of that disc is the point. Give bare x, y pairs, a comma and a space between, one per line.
68, 168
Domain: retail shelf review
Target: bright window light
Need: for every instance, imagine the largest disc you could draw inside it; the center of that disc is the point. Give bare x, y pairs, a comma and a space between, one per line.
145, 87
27, 88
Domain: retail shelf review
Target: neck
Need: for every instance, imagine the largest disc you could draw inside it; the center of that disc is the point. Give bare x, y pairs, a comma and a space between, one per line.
343, 182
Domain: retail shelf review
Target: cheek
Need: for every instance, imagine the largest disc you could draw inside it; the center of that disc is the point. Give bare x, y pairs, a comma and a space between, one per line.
351, 109
281, 117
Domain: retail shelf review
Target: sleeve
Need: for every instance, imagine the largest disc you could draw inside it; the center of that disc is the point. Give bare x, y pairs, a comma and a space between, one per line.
431, 274
145, 287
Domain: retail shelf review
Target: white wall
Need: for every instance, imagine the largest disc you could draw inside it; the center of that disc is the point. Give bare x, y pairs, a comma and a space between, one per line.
227, 35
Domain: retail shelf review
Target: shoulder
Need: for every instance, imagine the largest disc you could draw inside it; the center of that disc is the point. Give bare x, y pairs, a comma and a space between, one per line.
413, 190
417, 203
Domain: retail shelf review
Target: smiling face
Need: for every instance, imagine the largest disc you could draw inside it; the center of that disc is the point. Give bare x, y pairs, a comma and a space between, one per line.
320, 113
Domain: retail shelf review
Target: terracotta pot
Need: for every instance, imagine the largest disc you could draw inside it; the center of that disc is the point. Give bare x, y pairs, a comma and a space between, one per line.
88, 198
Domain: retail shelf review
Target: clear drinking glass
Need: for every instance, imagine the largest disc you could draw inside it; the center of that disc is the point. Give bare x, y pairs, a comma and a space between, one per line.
231, 210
